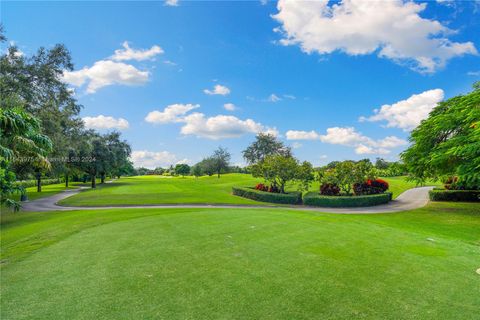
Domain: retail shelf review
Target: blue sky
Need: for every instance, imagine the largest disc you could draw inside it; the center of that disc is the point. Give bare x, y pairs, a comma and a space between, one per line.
311, 72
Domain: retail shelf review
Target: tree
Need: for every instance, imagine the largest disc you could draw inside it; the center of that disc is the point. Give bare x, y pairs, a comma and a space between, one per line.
447, 143
20, 140
197, 170
265, 145
36, 81
120, 152
280, 169
347, 173
182, 169
221, 160
381, 164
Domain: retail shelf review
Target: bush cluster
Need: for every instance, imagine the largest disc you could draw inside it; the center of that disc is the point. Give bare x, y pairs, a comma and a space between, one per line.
265, 188
453, 183
375, 186
455, 195
314, 199
329, 189
257, 195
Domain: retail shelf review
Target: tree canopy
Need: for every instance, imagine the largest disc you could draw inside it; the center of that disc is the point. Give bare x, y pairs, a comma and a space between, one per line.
447, 143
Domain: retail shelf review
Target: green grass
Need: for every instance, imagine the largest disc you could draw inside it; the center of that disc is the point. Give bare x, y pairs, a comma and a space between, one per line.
241, 263
177, 190
47, 191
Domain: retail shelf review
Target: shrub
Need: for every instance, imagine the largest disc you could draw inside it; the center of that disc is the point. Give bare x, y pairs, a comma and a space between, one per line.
370, 187
455, 195
329, 189
314, 199
284, 198
261, 187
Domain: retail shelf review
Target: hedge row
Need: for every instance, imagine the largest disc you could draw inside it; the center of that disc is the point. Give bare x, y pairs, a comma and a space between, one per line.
317, 200
455, 195
33, 183
257, 195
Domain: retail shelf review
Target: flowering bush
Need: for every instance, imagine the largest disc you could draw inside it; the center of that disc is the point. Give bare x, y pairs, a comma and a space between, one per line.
370, 187
329, 189
261, 187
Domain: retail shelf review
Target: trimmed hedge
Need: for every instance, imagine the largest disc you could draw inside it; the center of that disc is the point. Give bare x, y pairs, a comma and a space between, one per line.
257, 195
455, 195
317, 200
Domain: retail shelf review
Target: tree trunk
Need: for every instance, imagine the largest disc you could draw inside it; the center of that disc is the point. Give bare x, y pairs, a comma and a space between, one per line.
66, 180
102, 179
39, 182
94, 181
218, 174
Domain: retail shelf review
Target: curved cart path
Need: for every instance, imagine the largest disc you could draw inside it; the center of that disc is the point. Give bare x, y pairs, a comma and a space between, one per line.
408, 200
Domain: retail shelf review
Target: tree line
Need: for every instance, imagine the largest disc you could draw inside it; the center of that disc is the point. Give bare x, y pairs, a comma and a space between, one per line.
41, 132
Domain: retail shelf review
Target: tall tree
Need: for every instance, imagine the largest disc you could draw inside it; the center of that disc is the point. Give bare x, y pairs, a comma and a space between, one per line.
447, 143
221, 160
37, 82
265, 145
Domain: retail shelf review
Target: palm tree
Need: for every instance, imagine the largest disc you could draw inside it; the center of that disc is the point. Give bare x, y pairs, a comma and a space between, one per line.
20, 141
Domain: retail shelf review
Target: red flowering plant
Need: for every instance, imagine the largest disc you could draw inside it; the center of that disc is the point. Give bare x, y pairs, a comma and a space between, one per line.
261, 187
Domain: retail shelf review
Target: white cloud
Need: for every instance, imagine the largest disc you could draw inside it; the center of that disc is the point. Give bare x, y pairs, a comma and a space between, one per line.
171, 3
105, 122
407, 114
218, 89
296, 145
104, 73
128, 53
221, 126
172, 113
169, 63
263, 2
273, 98
152, 159
229, 107
348, 136
474, 73
290, 96
392, 29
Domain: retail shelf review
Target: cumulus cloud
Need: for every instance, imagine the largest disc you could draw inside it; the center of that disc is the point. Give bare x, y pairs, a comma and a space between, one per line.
153, 159
218, 89
229, 107
221, 126
104, 73
407, 114
105, 122
172, 113
392, 29
348, 136
128, 53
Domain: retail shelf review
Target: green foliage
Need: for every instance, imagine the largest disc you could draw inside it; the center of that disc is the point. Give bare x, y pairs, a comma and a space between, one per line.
455, 195
182, 169
294, 197
447, 143
220, 160
279, 170
315, 199
265, 145
197, 170
346, 173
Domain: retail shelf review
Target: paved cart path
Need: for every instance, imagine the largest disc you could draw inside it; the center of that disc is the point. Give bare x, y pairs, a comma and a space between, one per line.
408, 200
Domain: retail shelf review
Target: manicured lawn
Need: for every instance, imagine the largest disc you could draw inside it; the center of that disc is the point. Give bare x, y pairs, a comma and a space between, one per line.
242, 263
175, 190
